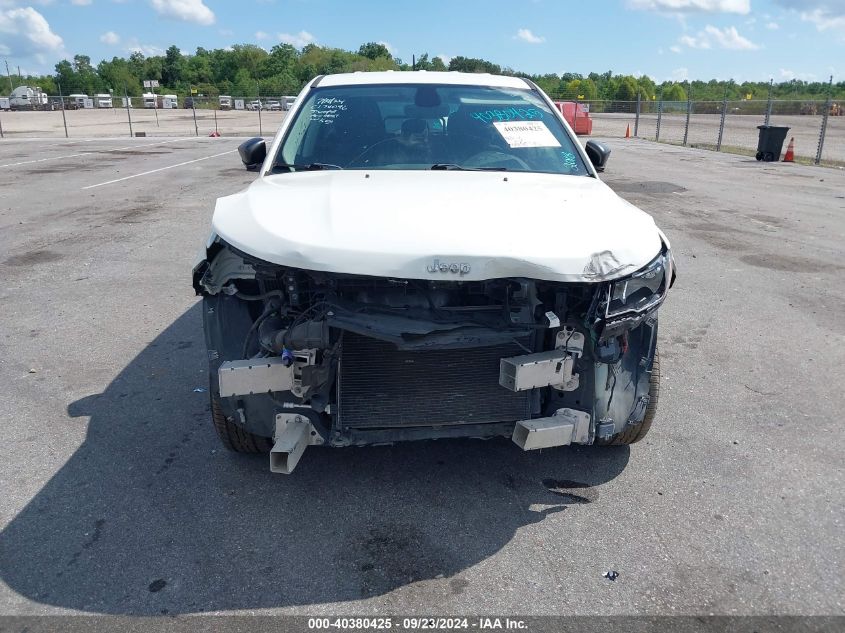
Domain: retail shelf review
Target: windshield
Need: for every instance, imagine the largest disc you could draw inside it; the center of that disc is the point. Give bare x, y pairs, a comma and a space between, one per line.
427, 127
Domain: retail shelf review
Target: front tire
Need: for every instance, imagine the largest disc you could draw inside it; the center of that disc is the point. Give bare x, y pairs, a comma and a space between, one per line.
633, 433
233, 437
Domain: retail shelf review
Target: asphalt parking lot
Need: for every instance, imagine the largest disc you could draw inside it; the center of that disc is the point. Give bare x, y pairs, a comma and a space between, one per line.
118, 499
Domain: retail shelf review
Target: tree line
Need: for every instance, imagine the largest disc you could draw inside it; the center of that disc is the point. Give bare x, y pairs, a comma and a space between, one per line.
247, 70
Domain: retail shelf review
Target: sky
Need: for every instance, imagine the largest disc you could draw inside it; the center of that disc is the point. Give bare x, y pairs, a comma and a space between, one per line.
752, 40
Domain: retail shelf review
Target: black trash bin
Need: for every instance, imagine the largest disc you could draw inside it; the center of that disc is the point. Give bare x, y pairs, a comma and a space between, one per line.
770, 142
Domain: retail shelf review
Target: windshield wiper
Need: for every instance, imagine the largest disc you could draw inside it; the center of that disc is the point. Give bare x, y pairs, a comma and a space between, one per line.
456, 167
307, 166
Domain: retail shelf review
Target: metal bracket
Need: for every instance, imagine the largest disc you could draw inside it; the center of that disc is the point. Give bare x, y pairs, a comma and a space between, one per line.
566, 426
294, 433
247, 377
302, 359
570, 341
531, 371
605, 428
638, 413
263, 375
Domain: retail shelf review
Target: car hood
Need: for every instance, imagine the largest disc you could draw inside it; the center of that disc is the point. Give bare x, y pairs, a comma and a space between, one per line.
447, 225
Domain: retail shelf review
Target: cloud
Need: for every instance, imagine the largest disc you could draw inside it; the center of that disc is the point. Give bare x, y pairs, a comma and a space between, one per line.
772, 26
675, 48
24, 32
445, 58
390, 48
694, 42
788, 75
712, 37
110, 37
81, 3
185, 10
12, 4
298, 40
527, 36
261, 35
825, 14
148, 50
743, 7
824, 20
680, 74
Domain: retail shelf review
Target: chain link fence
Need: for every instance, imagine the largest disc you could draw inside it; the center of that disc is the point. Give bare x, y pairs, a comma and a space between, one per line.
817, 127
80, 116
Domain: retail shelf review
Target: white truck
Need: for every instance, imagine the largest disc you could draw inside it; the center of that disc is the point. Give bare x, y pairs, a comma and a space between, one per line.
170, 101
225, 102
77, 101
103, 100
27, 98
150, 100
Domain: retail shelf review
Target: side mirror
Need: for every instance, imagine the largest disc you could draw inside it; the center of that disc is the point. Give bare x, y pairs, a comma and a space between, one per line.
598, 153
253, 152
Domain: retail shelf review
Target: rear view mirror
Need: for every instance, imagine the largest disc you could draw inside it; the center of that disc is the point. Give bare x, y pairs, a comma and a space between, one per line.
598, 153
253, 152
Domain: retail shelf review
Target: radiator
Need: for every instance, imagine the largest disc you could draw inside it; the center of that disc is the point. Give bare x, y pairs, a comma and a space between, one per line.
380, 386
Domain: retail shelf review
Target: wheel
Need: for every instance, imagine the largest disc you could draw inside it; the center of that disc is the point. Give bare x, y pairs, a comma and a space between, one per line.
759, 156
233, 437
768, 157
633, 433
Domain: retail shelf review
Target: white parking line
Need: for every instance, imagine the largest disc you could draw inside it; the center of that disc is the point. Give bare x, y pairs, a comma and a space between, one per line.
114, 149
152, 171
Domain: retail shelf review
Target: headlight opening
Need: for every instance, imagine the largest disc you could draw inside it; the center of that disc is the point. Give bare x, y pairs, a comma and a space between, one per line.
642, 291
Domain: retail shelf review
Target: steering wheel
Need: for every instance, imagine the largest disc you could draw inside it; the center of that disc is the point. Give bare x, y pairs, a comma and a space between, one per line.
359, 159
494, 158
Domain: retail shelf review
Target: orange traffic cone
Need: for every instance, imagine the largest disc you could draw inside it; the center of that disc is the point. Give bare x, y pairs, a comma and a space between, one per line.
789, 157
628, 131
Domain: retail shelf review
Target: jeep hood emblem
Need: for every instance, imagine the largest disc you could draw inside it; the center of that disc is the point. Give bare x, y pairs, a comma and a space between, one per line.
445, 267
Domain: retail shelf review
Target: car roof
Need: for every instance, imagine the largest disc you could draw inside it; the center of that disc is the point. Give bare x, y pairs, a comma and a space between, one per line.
422, 77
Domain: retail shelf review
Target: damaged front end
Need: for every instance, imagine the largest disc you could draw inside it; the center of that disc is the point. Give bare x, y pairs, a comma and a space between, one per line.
299, 357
